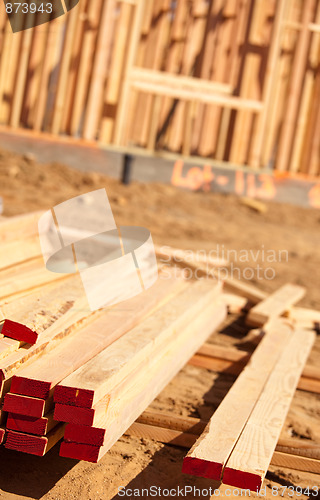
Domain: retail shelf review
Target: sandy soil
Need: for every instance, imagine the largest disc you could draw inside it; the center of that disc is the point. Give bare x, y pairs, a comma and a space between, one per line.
196, 221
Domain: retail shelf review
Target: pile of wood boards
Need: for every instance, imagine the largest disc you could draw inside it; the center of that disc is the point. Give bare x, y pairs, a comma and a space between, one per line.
89, 369
89, 377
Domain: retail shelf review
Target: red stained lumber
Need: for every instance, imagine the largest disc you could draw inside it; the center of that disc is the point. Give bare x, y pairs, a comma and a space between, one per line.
39, 426
20, 332
81, 416
34, 445
25, 405
79, 451
84, 434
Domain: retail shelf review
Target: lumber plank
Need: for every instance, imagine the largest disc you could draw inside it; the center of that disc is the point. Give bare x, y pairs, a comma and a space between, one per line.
275, 305
228, 421
19, 332
99, 69
14, 252
270, 82
30, 425
251, 456
232, 361
296, 455
34, 445
232, 102
26, 320
296, 82
19, 227
40, 378
26, 276
296, 462
90, 383
25, 405
142, 391
178, 81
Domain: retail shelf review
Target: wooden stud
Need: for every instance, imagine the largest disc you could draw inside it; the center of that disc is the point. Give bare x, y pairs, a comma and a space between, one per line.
252, 454
275, 304
30, 425
40, 378
297, 77
24, 405
141, 391
34, 445
88, 385
230, 418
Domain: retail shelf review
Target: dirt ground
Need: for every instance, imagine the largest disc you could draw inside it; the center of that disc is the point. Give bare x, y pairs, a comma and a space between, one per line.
290, 239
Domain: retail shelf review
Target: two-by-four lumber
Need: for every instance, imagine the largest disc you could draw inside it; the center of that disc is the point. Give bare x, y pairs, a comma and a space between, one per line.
25, 405
40, 377
195, 426
141, 390
31, 425
228, 360
26, 276
26, 320
77, 317
251, 456
209, 455
296, 460
90, 383
19, 227
34, 445
275, 305
16, 252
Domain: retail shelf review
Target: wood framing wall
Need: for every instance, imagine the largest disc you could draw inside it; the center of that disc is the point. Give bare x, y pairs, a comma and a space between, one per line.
232, 80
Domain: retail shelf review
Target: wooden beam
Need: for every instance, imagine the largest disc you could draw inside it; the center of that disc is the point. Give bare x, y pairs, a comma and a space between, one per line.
178, 81
140, 391
232, 102
226, 360
252, 454
181, 431
40, 378
30, 425
34, 445
275, 305
25, 405
19, 227
132, 52
230, 418
297, 77
92, 381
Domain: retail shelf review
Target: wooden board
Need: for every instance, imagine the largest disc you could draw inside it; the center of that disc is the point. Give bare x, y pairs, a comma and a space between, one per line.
142, 391
227, 423
76, 318
275, 305
30, 425
25, 405
19, 332
94, 380
19, 227
34, 445
40, 378
252, 454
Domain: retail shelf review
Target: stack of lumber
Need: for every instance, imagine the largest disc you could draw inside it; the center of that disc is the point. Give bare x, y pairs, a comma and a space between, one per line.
89, 377
58, 341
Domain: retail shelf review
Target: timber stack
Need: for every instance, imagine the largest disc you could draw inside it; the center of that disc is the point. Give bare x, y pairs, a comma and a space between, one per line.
86, 378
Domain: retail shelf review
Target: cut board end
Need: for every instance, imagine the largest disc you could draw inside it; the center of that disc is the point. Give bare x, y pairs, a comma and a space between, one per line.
202, 468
